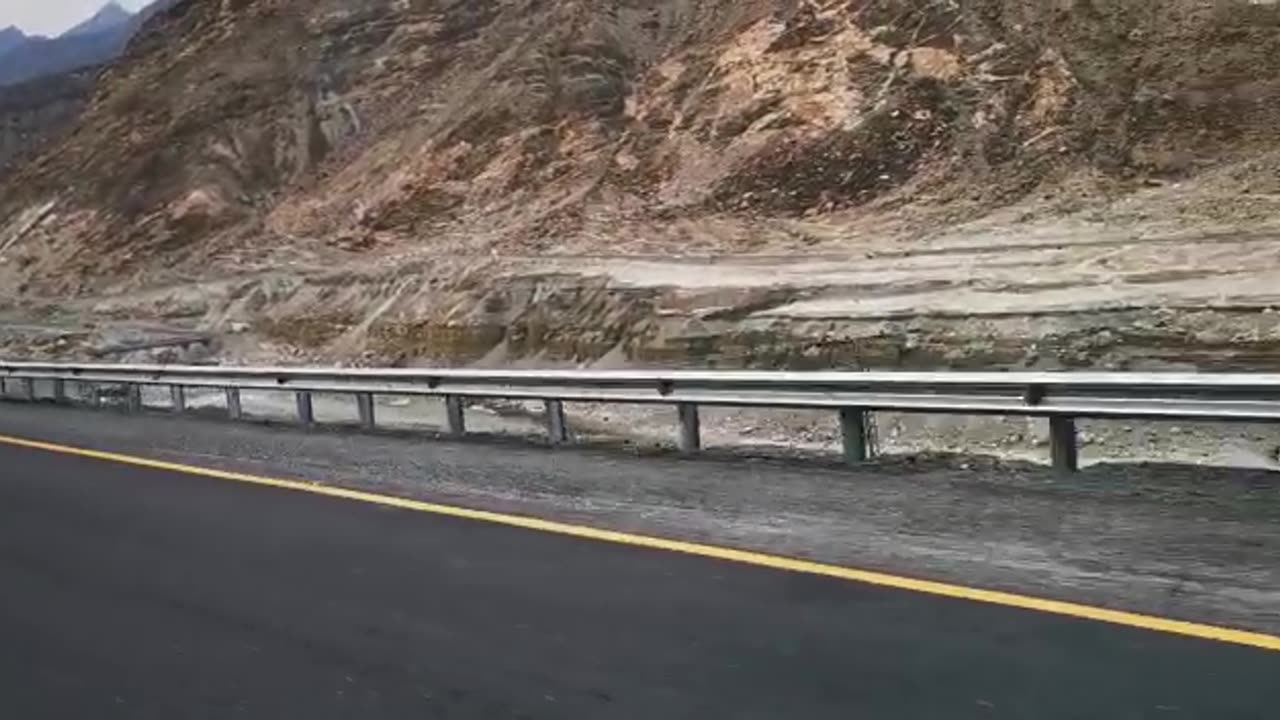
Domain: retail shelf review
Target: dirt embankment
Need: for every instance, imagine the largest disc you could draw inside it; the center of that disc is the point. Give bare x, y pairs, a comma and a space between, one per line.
890, 183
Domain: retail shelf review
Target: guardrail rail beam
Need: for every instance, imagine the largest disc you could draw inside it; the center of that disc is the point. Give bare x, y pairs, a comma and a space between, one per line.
1062, 398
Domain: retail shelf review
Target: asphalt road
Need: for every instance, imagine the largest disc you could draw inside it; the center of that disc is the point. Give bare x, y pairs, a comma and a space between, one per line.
136, 593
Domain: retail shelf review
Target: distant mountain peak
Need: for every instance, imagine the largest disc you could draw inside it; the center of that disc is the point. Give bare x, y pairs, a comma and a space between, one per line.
94, 42
111, 16
10, 38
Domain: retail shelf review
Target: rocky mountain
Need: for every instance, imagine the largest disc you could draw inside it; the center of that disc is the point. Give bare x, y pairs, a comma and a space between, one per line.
237, 137
44, 84
110, 17
11, 37
94, 42
42, 57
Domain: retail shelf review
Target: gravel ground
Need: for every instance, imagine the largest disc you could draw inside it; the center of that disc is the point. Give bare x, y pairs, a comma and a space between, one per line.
1189, 542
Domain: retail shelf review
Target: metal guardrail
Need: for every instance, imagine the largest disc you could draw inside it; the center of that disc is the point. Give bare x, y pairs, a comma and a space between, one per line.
1062, 398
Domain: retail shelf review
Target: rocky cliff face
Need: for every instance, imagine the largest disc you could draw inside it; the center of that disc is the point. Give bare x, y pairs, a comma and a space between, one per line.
252, 134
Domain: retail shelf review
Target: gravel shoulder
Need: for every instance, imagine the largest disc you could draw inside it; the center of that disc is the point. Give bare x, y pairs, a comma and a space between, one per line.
1193, 543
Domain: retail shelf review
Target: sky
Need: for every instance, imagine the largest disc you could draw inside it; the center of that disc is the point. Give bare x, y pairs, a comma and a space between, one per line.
51, 17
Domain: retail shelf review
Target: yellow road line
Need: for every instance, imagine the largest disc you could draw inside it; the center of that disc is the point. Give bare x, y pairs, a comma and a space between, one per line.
1024, 602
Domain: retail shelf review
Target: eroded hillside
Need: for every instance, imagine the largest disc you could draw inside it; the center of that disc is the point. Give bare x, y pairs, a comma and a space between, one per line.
484, 178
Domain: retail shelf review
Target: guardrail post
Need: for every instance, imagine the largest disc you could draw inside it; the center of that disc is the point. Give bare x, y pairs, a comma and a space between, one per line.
557, 425
364, 405
28, 389
1064, 443
60, 391
457, 415
233, 403
306, 411
853, 433
690, 428
178, 398
134, 397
